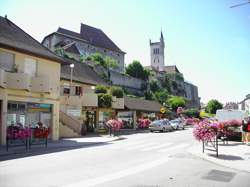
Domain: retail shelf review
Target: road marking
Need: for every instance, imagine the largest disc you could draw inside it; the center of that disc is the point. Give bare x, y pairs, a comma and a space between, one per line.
120, 174
142, 145
156, 147
173, 148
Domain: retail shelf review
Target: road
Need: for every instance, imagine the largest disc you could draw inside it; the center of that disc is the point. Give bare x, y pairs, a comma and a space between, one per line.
140, 160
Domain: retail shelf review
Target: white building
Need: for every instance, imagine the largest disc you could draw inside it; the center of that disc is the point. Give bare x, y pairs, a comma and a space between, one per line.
245, 104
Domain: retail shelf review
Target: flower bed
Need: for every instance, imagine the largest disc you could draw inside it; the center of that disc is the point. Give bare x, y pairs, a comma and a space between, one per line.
41, 132
15, 132
115, 125
143, 123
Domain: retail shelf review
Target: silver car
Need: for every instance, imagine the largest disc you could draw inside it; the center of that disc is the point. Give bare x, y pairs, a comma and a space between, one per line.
177, 123
160, 125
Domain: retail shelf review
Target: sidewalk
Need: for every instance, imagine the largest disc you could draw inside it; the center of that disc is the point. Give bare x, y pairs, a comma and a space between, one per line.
235, 155
56, 146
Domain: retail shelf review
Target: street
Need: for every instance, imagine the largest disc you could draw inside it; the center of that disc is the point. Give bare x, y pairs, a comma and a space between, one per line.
140, 160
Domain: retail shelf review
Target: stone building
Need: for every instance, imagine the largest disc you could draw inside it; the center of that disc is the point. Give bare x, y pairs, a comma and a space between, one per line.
157, 54
179, 86
80, 45
245, 104
231, 106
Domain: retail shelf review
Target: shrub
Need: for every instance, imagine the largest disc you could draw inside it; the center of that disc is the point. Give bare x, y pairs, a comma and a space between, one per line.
117, 91
192, 113
101, 89
212, 106
104, 100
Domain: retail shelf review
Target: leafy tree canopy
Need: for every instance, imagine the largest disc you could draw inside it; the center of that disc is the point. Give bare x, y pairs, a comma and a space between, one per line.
106, 62
212, 106
174, 102
135, 69
101, 89
154, 86
161, 96
117, 91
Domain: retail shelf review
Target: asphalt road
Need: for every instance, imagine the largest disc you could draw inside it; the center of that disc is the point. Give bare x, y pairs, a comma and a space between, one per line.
141, 160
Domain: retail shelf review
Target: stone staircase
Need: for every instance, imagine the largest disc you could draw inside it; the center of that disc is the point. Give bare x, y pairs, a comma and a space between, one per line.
69, 126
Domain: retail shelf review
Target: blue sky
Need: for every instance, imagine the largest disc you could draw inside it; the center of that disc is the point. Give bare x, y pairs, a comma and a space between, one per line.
208, 41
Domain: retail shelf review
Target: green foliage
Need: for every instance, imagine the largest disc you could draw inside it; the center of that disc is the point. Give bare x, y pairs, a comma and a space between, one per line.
110, 62
104, 100
175, 76
59, 51
135, 69
174, 102
166, 84
161, 96
174, 84
106, 62
148, 95
195, 113
117, 91
101, 89
154, 86
212, 106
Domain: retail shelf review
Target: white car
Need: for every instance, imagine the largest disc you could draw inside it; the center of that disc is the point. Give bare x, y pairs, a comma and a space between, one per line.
177, 123
160, 125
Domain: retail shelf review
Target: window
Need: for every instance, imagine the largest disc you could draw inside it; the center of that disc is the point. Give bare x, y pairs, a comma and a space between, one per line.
66, 90
78, 90
118, 54
156, 50
6, 61
30, 66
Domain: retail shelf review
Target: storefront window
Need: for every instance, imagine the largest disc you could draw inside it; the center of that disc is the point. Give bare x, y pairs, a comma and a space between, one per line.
126, 118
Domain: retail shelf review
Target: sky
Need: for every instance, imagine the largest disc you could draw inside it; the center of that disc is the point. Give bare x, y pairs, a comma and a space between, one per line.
208, 41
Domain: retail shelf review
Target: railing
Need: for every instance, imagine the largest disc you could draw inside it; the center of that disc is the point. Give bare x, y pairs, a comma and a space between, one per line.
70, 122
88, 99
24, 81
117, 103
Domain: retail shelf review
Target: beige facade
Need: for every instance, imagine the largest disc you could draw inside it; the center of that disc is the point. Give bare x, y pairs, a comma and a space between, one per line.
33, 82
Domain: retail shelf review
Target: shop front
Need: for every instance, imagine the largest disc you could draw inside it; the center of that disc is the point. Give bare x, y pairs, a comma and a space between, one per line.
127, 119
29, 114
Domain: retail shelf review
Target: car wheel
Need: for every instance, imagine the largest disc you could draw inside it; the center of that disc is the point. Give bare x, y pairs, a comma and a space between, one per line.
183, 128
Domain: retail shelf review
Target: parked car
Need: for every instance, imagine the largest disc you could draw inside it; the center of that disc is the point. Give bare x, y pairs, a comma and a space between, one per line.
160, 125
177, 123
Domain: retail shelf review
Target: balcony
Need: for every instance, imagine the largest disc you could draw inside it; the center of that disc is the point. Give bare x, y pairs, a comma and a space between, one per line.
118, 103
86, 100
40, 84
90, 99
19, 81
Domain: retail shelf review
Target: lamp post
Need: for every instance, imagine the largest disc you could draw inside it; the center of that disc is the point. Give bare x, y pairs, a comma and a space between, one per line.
71, 74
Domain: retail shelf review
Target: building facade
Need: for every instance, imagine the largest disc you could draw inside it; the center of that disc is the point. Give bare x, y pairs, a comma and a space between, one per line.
29, 81
157, 54
245, 104
80, 45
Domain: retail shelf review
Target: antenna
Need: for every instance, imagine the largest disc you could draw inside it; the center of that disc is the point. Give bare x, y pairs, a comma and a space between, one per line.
241, 4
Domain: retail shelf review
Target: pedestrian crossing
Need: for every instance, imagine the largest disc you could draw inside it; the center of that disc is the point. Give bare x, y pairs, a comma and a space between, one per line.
154, 146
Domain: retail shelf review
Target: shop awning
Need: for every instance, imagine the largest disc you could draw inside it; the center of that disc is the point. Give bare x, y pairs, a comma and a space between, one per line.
141, 104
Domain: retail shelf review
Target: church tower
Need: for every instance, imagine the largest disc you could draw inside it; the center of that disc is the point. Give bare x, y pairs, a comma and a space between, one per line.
157, 54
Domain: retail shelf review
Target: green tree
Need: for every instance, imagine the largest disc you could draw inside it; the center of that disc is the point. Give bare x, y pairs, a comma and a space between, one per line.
174, 102
117, 91
161, 96
148, 95
192, 112
154, 86
166, 84
110, 62
212, 106
135, 69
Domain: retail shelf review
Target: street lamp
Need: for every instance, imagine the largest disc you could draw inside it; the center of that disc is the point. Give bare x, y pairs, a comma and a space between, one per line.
71, 74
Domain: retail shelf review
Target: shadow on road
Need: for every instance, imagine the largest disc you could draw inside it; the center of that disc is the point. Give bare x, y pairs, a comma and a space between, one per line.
53, 147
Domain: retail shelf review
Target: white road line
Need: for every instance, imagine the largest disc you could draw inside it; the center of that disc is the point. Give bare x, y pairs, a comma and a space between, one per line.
142, 145
120, 174
156, 147
173, 148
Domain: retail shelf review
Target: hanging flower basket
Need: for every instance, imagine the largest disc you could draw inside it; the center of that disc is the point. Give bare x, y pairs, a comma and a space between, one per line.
115, 125
41, 132
205, 131
15, 132
143, 123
